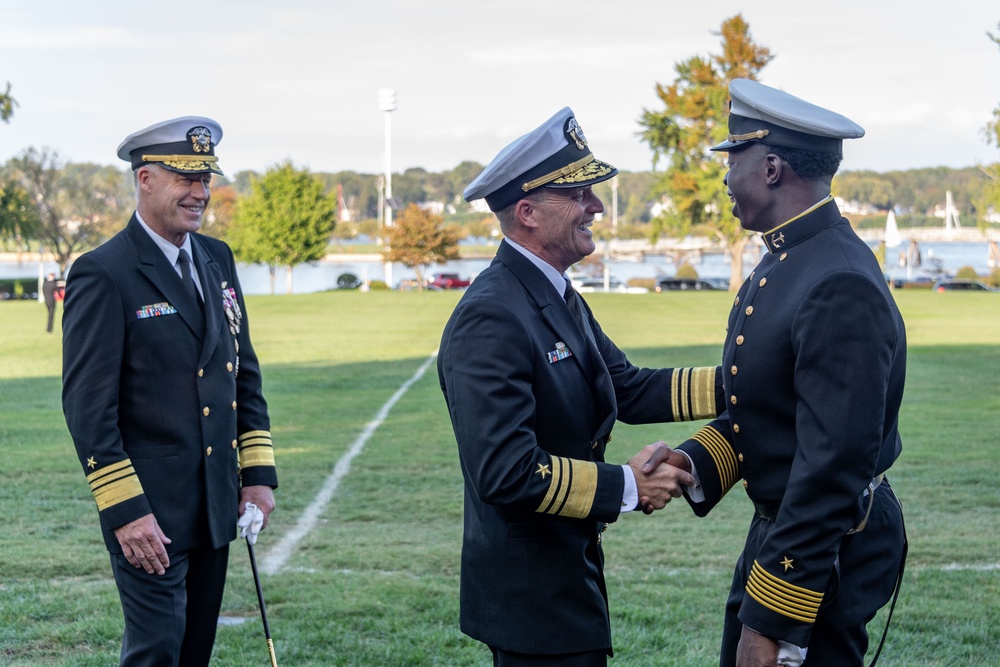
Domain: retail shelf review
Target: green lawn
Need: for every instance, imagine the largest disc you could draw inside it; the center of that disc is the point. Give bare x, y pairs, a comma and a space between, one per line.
375, 582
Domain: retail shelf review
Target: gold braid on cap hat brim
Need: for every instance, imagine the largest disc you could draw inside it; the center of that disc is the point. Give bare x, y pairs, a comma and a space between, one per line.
185, 162
558, 173
759, 134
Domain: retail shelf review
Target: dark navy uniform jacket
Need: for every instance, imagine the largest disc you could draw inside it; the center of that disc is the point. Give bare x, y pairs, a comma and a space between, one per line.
164, 411
533, 405
813, 366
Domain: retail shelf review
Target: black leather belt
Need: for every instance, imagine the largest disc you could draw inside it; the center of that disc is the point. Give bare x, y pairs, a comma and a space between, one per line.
769, 511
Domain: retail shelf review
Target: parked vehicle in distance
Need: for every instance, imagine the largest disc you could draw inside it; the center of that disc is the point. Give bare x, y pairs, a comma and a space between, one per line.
956, 285
447, 281
674, 284
591, 285
720, 283
920, 282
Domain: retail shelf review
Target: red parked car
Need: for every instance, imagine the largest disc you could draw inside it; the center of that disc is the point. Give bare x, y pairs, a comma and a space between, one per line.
447, 281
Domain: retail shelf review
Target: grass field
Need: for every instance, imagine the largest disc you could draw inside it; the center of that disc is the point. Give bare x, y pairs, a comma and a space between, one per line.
375, 580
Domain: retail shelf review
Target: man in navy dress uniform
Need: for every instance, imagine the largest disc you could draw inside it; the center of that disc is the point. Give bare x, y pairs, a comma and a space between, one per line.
534, 387
814, 363
162, 395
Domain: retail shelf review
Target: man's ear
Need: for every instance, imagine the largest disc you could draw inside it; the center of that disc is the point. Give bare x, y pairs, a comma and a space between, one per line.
525, 212
143, 176
773, 169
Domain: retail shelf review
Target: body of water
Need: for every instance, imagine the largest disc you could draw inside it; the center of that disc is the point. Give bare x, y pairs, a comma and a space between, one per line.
322, 276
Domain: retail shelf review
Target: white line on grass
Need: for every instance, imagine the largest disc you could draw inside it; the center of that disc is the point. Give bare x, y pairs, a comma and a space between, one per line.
276, 558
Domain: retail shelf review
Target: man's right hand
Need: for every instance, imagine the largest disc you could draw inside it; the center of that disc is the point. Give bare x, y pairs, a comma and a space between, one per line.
658, 484
144, 544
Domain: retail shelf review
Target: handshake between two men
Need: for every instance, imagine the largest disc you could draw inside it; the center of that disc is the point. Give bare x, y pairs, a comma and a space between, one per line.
660, 473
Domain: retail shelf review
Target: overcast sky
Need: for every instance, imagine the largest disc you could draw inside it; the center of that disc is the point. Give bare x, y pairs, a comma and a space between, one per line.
299, 79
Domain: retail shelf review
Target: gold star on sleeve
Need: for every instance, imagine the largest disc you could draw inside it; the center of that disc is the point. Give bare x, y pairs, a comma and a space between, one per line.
91, 463
788, 563
572, 488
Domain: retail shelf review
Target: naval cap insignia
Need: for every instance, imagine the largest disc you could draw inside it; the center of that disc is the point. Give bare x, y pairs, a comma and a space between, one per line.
201, 139
575, 133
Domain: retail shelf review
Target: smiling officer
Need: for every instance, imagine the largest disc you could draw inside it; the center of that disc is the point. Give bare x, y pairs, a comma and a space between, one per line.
814, 364
162, 395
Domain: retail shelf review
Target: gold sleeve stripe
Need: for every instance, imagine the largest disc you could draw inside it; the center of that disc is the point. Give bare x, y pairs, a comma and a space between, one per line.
572, 488
114, 484
554, 485
256, 436
693, 393
256, 449
703, 392
722, 454
679, 394
786, 599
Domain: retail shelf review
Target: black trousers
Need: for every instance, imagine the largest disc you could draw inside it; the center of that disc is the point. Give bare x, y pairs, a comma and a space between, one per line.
170, 619
503, 658
869, 565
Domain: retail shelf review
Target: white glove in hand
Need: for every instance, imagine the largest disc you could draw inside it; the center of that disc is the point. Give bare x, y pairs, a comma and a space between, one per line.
790, 655
250, 523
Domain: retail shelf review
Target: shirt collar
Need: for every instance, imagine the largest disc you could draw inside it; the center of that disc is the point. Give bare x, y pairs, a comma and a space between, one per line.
553, 275
169, 249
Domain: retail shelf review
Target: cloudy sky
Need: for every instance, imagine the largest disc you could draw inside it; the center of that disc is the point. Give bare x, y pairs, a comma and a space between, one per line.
300, 79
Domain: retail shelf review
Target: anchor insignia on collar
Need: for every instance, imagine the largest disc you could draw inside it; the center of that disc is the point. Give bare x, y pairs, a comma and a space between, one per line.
777, 239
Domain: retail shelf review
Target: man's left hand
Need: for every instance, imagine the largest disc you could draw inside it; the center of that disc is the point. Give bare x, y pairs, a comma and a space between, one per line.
261, 496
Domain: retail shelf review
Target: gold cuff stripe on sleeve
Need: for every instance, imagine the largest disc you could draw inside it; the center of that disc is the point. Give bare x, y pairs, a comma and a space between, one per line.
693, 393
114, 484
256, 449
679, 394
572, 488
781, 597
722, 454
558, 173
554, 483
703, 392
256, 455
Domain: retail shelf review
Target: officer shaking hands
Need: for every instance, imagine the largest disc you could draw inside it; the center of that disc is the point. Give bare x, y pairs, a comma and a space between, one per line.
814, 362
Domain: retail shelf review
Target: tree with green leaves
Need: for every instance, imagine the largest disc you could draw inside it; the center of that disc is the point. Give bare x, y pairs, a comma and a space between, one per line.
77, 205
989, 199
18, 218
694, 117
418, 238
7, 105
286, 220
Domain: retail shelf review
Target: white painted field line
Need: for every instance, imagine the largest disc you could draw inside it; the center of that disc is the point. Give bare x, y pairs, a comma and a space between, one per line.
278, 555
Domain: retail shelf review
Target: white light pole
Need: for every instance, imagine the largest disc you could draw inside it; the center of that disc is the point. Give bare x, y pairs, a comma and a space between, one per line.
387, 103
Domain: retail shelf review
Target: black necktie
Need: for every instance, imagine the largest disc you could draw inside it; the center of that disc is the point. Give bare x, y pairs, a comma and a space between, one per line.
184, 259
574, 302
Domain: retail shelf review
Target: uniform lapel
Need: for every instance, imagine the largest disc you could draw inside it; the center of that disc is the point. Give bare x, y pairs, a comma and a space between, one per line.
552, 306
211, 286
556, 313
154, 265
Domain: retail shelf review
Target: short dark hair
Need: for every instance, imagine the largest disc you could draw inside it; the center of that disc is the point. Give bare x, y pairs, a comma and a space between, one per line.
808, 164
